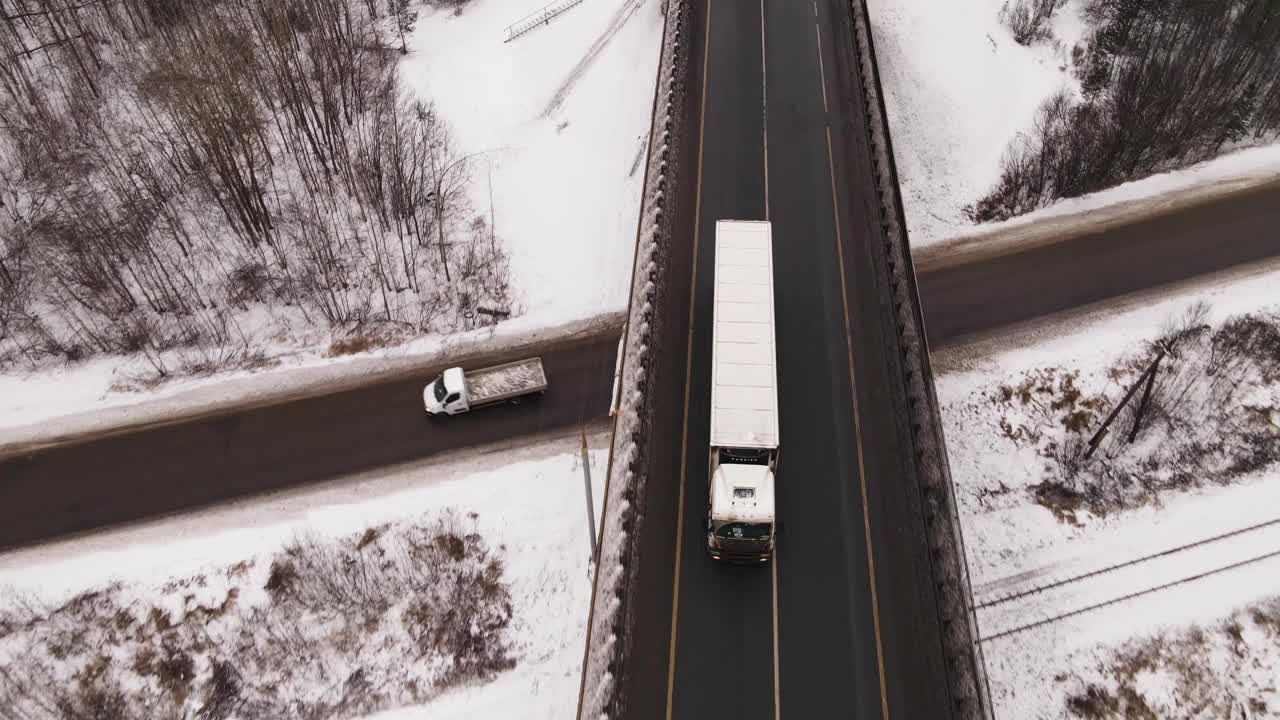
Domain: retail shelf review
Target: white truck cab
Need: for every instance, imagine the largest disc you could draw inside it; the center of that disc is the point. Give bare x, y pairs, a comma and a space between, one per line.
455, 391
740, 523
447, 394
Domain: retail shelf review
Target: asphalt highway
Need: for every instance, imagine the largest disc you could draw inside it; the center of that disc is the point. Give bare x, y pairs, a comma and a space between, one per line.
119, 478
817, 632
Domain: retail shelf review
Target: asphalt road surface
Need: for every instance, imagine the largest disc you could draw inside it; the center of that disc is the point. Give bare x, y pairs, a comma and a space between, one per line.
120, 478
976, 292
815, 632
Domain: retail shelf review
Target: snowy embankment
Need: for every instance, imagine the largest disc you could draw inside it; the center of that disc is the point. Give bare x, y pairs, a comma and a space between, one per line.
561, 118
321, 595
50, 406
959, 90
555, 123
1089, 571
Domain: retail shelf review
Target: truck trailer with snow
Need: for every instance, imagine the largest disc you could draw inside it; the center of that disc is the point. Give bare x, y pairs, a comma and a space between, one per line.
455, 391
744, 395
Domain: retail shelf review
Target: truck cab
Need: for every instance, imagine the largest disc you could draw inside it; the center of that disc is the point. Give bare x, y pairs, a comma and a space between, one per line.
740, 519
447, 394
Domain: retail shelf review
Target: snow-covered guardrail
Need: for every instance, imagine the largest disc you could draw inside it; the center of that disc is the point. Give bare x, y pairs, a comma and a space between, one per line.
967, 681
607, 640
539, 17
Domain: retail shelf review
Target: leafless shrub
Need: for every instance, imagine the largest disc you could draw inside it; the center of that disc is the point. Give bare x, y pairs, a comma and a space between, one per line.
1094, 703
1027, 18
364, 339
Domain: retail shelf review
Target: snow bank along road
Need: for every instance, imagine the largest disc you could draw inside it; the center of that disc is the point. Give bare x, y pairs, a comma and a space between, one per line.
979, 285
119, 478
843, 622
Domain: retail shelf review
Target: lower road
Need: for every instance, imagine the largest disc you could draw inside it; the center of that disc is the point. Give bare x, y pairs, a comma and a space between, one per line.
79, 486
996, 284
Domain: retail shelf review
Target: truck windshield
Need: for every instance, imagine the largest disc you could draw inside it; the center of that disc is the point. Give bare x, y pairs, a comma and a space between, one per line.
744, 456
438, 389
743, 531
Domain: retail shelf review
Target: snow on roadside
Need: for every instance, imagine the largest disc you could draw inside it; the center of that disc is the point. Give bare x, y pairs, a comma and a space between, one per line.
1014, 543
1233, 171
528, 499
958, 90
46, 406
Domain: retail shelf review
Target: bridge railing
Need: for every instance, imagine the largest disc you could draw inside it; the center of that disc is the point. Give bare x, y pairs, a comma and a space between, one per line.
609, 625
539, 17
966, 668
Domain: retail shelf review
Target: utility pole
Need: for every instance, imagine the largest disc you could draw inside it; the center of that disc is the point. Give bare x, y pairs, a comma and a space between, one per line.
1147, 377
493, 244
591, 509
1146, 396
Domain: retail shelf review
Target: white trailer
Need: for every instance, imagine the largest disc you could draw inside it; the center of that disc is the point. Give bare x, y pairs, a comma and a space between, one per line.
744, 395
455, 391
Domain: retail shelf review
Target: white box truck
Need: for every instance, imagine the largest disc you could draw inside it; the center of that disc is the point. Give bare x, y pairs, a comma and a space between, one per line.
455, 392
744, 395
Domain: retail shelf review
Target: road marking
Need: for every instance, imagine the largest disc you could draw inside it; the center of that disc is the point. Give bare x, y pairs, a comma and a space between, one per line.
764, 126
822, 72
688, 369
777, 690
853, 390
764, 110
857, 435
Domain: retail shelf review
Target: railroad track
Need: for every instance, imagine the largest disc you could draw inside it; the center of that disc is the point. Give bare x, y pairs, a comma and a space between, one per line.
1030, 600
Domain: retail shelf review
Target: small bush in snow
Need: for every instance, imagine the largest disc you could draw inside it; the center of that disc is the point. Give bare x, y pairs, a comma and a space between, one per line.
1027, 18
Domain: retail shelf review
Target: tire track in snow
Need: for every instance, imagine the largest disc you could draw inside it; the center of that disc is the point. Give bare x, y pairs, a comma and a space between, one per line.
1038, 604
619, 20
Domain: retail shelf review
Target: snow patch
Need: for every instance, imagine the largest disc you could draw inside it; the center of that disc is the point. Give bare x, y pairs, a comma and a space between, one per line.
1015, 545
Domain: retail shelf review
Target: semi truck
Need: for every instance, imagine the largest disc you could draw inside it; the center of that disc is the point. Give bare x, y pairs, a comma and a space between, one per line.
456, 391
744, 395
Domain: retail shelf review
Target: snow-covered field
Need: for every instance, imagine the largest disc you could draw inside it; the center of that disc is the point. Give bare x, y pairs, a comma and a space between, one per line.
1090, 576
561, 115
958, 90
522, 505
558, 118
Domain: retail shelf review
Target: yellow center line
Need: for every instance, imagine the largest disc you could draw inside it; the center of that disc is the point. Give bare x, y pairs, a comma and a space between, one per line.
764, 110
853, 391
688, 370
821, 69
857, 434
764, 126
777, 690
